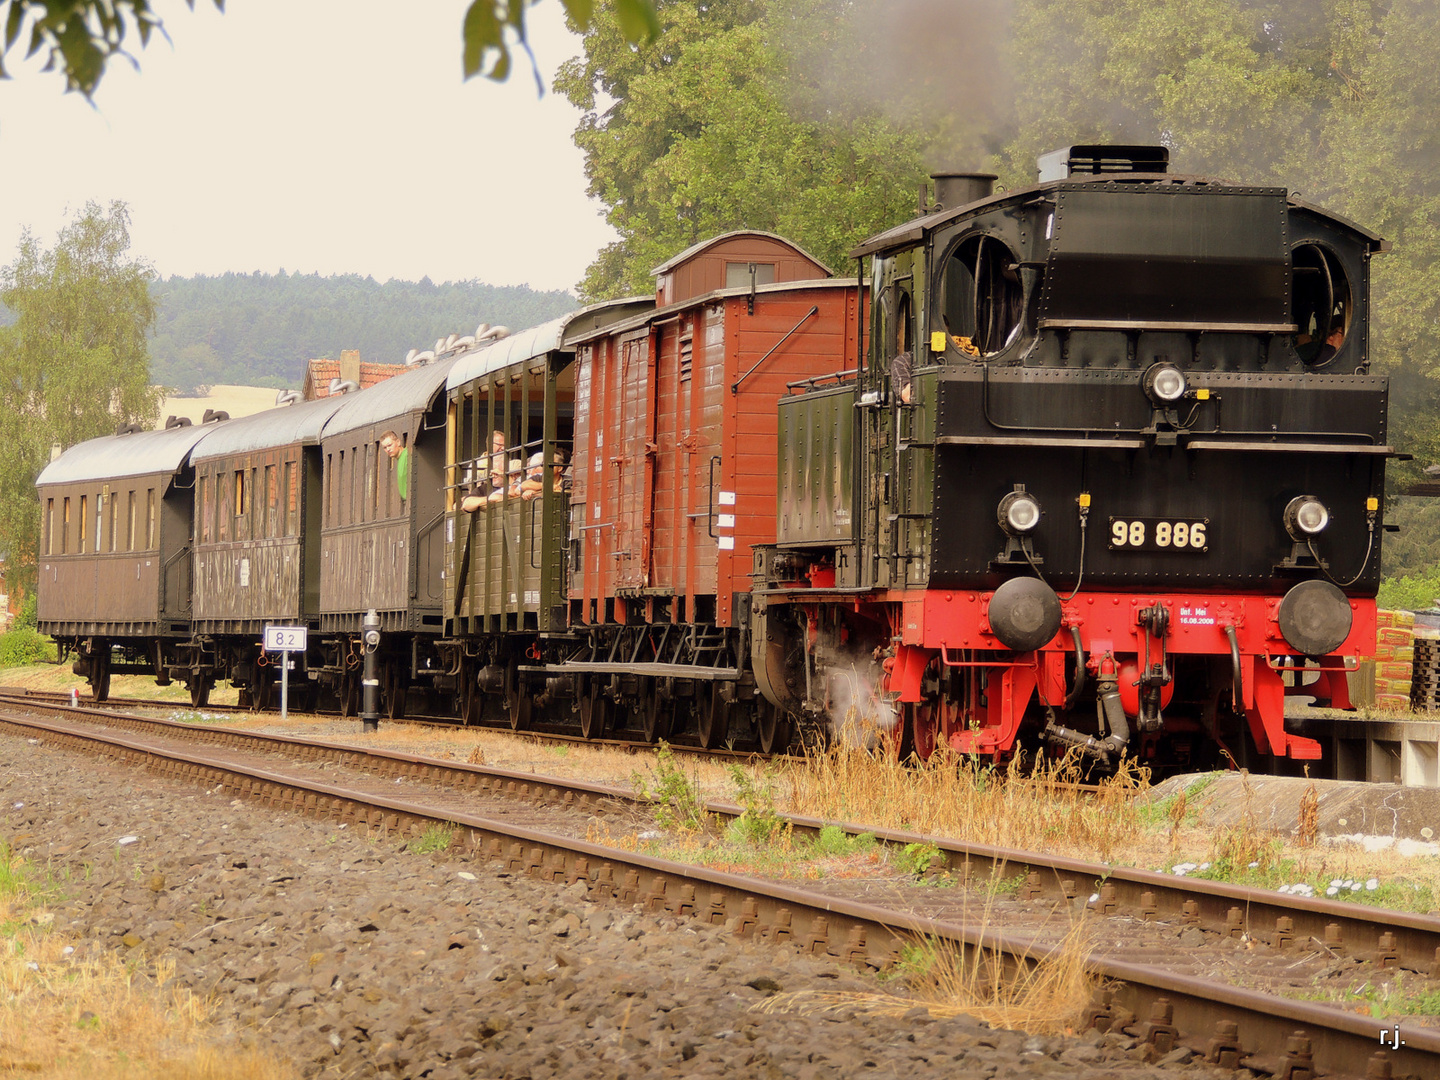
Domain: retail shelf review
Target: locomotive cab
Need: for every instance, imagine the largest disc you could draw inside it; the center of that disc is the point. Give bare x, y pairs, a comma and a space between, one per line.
1118, 462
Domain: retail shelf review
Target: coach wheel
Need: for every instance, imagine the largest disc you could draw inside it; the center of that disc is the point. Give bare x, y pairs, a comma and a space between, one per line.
594, 709
772, 727
162, 673
657, 712
472, 701
395, 690
517, 697
262, 687
349, 692
713, 714
100, 672
200, 684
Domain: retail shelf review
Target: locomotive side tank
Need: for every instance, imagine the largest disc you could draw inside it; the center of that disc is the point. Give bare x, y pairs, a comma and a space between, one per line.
1118, 463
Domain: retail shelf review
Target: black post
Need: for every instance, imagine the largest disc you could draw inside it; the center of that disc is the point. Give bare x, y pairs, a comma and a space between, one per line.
370, 701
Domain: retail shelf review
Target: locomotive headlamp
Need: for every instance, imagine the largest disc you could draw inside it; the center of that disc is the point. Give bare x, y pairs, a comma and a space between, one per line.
1164, 384
1305, 516
1019, 512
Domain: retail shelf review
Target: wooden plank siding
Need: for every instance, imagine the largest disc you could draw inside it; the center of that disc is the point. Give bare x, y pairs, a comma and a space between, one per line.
129, 571
655, 521
254, 564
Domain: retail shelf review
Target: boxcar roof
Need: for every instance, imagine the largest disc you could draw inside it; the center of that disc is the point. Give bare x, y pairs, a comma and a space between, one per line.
141, 453
408, 392
538, 340
280, 426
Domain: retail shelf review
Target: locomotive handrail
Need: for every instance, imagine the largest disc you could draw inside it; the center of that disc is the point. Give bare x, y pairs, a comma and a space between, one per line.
1006, 440
1166, 325
1291, 447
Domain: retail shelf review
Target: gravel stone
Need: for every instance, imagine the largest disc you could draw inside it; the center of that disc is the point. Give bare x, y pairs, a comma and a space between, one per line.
355, 958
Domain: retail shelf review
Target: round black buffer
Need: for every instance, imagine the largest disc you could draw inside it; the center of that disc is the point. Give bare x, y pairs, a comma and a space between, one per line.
1024, 614
1315, 618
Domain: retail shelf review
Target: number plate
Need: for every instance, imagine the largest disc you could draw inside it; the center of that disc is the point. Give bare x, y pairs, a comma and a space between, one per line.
1160, 534
285, 638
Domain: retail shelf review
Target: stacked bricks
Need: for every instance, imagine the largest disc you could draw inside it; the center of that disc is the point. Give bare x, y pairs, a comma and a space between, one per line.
1394, 659
1425, 687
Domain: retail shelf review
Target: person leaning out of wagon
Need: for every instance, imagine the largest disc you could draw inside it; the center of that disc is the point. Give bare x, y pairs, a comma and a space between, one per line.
480, 491
534, 482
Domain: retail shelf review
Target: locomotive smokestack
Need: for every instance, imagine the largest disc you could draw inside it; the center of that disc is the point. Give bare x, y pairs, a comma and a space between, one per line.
954, 189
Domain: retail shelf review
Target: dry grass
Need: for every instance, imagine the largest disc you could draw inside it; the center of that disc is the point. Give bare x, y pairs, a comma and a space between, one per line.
75, 1016
1045, 997
954, 796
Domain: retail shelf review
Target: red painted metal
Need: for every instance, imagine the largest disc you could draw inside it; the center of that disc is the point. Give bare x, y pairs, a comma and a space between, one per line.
943, 624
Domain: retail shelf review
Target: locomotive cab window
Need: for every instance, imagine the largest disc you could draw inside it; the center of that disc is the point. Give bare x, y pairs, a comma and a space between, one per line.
1322, 303
982, 297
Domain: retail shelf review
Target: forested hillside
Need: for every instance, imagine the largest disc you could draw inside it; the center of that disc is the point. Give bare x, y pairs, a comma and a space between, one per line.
259, 329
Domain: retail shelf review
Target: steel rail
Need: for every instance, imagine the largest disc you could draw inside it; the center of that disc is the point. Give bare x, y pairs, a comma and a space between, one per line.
1228, 1025
1382, 936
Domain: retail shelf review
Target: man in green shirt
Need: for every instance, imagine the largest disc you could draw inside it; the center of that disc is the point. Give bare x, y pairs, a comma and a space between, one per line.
400, 454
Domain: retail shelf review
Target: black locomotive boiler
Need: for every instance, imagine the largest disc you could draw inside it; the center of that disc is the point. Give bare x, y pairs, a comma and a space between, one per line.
1117, 469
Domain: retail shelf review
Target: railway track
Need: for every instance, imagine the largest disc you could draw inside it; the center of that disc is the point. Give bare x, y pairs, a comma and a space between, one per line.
542, 734
524, 825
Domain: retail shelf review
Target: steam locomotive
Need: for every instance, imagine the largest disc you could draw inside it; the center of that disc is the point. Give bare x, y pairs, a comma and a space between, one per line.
1093, 465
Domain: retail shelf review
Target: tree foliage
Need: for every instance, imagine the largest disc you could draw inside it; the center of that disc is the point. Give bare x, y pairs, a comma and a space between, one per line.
73, 364
694, 134
80, 37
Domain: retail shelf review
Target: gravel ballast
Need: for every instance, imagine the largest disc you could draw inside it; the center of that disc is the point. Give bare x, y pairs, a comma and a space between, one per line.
353, 957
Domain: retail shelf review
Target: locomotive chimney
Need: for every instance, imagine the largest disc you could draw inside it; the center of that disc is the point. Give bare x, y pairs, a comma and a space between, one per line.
954, 189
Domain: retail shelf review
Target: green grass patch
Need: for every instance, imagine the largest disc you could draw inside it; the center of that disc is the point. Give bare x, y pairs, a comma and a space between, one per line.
435, 838
676, 796
24, 647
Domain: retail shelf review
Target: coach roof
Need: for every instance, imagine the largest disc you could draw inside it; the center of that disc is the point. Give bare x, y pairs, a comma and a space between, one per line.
141, 453
284, 425
410, 391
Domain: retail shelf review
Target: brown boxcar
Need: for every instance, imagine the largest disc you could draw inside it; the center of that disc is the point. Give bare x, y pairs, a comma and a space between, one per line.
115, 547
675, 431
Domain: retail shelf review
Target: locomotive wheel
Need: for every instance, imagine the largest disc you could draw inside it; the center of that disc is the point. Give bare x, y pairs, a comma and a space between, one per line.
100, 672
594, 710
656, 715
713, 714
771, 726
395, 690
921, 724
200, 684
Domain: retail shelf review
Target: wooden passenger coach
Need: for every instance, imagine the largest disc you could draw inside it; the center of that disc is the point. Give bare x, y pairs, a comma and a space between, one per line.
115, 549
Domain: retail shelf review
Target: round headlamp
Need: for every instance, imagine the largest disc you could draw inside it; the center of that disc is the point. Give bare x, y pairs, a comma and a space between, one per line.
1019, 512
1164, 384
1305, 516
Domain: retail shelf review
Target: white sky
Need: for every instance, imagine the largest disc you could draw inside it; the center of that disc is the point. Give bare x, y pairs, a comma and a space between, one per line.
329, 136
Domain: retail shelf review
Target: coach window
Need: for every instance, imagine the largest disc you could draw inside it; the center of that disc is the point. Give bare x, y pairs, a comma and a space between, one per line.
149, 519
130, 530
981, 296
207, 507
1322, 303
49, 526
272, 501
112, 502
292, 500
737, 274
84, 522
